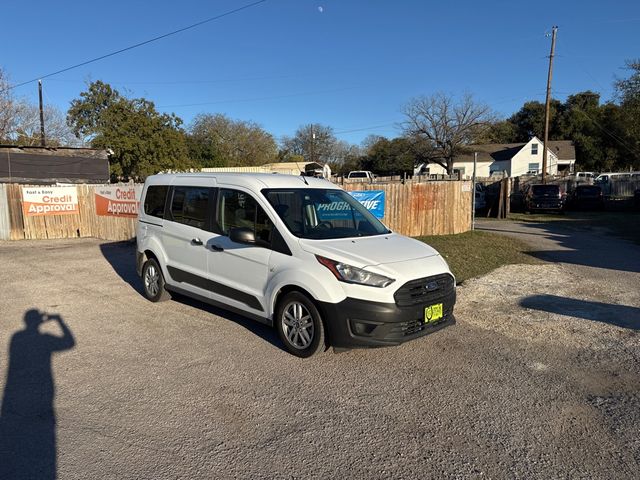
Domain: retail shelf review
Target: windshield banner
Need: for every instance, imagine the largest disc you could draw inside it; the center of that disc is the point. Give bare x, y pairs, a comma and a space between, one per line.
373, 200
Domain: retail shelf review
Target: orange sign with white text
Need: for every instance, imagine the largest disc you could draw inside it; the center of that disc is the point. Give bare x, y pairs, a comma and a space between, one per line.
37, 201
118, 201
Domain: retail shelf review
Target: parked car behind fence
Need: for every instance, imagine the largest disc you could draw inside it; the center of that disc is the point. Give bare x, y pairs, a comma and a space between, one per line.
586, 197
543, 197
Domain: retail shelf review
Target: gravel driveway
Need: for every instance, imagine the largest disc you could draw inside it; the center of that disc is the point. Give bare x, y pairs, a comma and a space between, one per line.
539, 378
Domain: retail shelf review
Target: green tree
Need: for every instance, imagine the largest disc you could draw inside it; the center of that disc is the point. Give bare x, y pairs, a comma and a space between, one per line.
502, 131
529, 121
143, 141
628, 93
216, 140
390, 157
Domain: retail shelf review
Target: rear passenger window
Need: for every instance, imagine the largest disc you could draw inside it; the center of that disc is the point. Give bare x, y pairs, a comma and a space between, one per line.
155, 199
189, 205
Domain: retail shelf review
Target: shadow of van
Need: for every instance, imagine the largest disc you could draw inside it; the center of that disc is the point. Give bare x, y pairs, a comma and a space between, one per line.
122, 258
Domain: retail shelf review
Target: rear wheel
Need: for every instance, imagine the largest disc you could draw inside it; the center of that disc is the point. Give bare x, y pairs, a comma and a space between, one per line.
299, 325
153, 282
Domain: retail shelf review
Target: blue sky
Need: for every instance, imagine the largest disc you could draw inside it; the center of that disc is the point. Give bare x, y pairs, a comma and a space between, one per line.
350, 64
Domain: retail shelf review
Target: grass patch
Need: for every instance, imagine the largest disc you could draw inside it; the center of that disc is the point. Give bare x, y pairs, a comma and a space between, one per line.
473, 254
621, 224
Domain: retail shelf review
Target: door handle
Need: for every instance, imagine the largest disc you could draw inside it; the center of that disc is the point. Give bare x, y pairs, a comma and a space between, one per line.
196, 241
217, 248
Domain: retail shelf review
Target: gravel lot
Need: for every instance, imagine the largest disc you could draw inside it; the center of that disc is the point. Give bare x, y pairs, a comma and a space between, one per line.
540, 378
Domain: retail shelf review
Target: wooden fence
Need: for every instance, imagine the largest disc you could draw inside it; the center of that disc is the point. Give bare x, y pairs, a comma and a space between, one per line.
430, 208
84, 224
414, 209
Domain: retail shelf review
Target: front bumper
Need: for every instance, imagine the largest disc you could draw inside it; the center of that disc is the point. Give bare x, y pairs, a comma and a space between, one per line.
361, 323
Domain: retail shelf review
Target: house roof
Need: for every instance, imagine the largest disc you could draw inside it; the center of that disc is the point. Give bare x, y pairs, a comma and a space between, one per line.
51, 165
491, 152
56, 151
564, 149
499, 152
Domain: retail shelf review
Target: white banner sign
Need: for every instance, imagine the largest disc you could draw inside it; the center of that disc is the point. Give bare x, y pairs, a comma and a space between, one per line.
118, 201
49, 201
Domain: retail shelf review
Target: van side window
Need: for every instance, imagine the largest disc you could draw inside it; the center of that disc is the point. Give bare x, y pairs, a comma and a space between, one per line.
155, 199
238, 209
189, 205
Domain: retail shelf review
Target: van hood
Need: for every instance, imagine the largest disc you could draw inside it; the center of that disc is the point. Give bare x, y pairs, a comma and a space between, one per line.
369, 251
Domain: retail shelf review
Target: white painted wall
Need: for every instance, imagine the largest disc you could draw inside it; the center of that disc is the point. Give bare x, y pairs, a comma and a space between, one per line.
483, 169
519, 164
521, 160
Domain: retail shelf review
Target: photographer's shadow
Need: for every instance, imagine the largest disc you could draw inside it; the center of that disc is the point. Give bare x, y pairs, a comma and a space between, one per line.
27, 417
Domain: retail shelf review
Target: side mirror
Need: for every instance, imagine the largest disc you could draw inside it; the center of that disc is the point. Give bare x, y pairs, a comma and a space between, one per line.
242, 235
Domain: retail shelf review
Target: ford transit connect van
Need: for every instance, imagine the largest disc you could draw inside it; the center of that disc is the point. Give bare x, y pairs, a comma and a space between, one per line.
297, 253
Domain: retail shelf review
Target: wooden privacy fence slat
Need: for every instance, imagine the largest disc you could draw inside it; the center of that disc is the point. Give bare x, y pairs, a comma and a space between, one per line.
86, 223
430, 208
414, 209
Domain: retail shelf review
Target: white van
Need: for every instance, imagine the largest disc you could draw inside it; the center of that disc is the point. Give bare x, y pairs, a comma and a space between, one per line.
294, 252
607, 177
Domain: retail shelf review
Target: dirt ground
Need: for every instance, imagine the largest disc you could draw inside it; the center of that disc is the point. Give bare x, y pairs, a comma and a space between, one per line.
540, 377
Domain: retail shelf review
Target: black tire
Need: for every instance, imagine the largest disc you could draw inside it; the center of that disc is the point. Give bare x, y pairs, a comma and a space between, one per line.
300, 335
153, 284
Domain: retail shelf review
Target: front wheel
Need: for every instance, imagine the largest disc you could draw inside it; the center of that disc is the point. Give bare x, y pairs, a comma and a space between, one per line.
153, 282
299, 325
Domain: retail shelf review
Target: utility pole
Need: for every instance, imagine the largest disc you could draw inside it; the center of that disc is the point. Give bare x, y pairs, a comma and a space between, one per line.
548, 104
313, 141
42, 141
473, 192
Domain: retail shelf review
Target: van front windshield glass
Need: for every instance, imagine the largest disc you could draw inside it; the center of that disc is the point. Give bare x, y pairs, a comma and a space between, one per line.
323, 213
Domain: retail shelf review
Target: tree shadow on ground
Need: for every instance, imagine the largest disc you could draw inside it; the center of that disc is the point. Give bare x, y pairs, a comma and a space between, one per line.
27, 416
122, 258
618, 315
578, 242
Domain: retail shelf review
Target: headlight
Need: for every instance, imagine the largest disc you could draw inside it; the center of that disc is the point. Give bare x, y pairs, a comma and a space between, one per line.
351, 274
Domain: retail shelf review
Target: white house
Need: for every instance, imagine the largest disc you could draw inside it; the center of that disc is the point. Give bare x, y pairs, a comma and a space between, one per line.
513, 158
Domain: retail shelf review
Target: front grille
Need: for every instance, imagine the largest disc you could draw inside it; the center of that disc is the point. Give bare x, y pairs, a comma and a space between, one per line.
416, 291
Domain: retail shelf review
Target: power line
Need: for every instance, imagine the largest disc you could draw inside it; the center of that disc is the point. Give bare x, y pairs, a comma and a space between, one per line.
374, 127
139, 44
615, 137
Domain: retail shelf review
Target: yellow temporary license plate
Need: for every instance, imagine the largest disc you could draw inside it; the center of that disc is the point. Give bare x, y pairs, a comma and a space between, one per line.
433, 313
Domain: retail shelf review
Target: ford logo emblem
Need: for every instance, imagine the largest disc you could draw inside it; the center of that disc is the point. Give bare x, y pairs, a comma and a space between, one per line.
431, 286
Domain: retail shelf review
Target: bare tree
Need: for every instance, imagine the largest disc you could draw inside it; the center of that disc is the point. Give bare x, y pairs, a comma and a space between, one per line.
10, 109
440, 127
316, 143
57, 132
20, 120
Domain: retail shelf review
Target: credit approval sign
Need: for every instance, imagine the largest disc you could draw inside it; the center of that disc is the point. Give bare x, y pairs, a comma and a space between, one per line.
118, 201
37, 201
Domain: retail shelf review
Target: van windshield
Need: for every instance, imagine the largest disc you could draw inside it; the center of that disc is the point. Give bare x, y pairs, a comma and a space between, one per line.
323, 213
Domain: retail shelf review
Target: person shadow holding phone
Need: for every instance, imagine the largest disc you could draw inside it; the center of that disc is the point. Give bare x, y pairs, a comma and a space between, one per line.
27, 415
